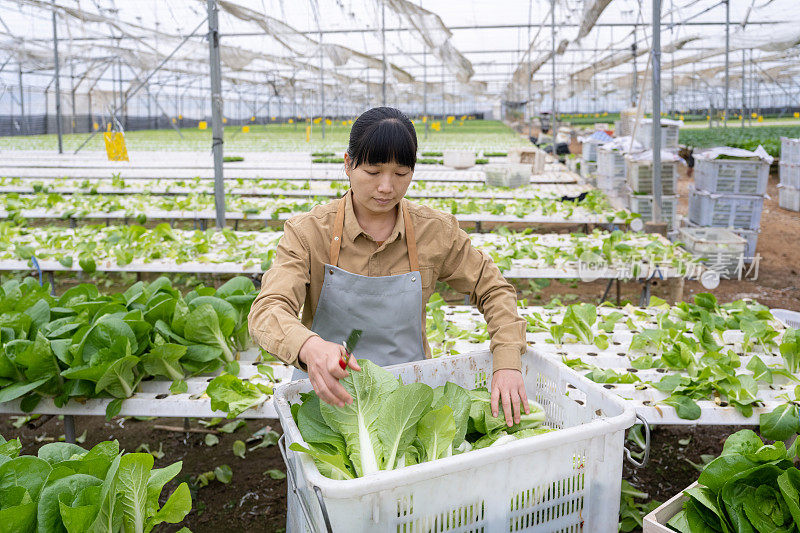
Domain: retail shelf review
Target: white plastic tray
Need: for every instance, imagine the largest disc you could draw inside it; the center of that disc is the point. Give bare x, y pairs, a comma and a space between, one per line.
154, 399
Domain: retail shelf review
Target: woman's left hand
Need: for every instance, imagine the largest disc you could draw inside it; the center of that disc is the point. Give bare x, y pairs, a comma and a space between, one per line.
508, 387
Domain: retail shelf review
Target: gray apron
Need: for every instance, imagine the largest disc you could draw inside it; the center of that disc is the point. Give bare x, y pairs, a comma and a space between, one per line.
387, 309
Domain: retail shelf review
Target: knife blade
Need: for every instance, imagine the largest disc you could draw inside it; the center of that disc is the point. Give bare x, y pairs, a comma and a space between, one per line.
350, 345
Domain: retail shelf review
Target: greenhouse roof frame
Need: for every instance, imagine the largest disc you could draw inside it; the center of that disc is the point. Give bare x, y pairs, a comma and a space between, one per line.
307, 75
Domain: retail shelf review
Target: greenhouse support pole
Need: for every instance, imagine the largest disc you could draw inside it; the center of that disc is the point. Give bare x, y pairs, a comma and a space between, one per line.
443, 87
553, 72
530, 73
727, 60
368, 90
58, 83
72, 89
383, 46
425, 91
321, 80
216, 111
294, 105
656, 51
24, 127
744, 76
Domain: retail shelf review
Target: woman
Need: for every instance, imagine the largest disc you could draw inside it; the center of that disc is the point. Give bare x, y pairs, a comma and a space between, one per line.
370, 261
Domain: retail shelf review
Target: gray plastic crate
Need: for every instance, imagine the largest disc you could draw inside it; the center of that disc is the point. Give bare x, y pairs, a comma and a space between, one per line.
790, 174
789, 198
639, 175
790, 150
732, 176
751, 236
643, 204
725, 211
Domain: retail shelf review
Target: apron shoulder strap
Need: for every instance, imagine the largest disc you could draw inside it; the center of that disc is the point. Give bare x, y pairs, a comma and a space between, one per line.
411, 239
338, 228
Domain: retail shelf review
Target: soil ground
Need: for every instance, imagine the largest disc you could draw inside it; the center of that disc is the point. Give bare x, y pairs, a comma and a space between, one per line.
251, 502
254, 502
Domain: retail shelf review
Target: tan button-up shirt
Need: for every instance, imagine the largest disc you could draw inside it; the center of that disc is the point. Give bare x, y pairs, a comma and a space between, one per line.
445, 253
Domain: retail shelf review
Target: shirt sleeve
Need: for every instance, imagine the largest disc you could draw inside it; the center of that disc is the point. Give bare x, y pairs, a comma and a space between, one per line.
274, 321
469, 270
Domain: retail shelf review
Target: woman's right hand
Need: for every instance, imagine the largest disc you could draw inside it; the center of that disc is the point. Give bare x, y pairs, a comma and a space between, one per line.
322, 361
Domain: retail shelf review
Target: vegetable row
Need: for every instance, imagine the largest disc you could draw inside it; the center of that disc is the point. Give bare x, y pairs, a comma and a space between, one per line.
93, 246
84, 344
748, 138
277, 188
139, 206
683, 356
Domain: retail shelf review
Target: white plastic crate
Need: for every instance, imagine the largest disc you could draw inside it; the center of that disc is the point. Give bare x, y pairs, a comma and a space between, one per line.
539, 161
509, 175
627, 119
610, 163
612, 186
643, 204
751, 236
790, 150
789, 174
589, 149
522, 155
656, 521
458, 158
718, 248
670, 130
588, 169
733, 176
724, 211
791, 319
789, 198
639, 175
567, 480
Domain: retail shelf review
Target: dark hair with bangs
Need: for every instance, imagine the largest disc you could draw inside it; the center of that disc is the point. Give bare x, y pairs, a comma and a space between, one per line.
383, 135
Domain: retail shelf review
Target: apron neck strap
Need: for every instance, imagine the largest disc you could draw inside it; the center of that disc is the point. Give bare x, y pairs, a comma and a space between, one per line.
411, 240
338, 229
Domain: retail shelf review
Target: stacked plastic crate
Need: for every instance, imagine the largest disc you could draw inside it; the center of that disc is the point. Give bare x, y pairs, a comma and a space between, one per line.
670, 130
789, 188
729, 189
611, 167
590, 145
639, 191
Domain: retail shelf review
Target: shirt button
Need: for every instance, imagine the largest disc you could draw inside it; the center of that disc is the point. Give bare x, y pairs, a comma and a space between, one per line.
413, 278
336, 238
330, 271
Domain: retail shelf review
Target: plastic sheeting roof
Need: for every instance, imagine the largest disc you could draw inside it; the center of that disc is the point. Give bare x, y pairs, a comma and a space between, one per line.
463, 49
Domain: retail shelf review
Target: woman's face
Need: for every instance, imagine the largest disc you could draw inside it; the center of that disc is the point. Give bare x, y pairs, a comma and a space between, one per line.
378, 188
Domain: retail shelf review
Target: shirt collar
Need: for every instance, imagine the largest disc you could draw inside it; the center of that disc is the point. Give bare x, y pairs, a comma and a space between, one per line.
352, 229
